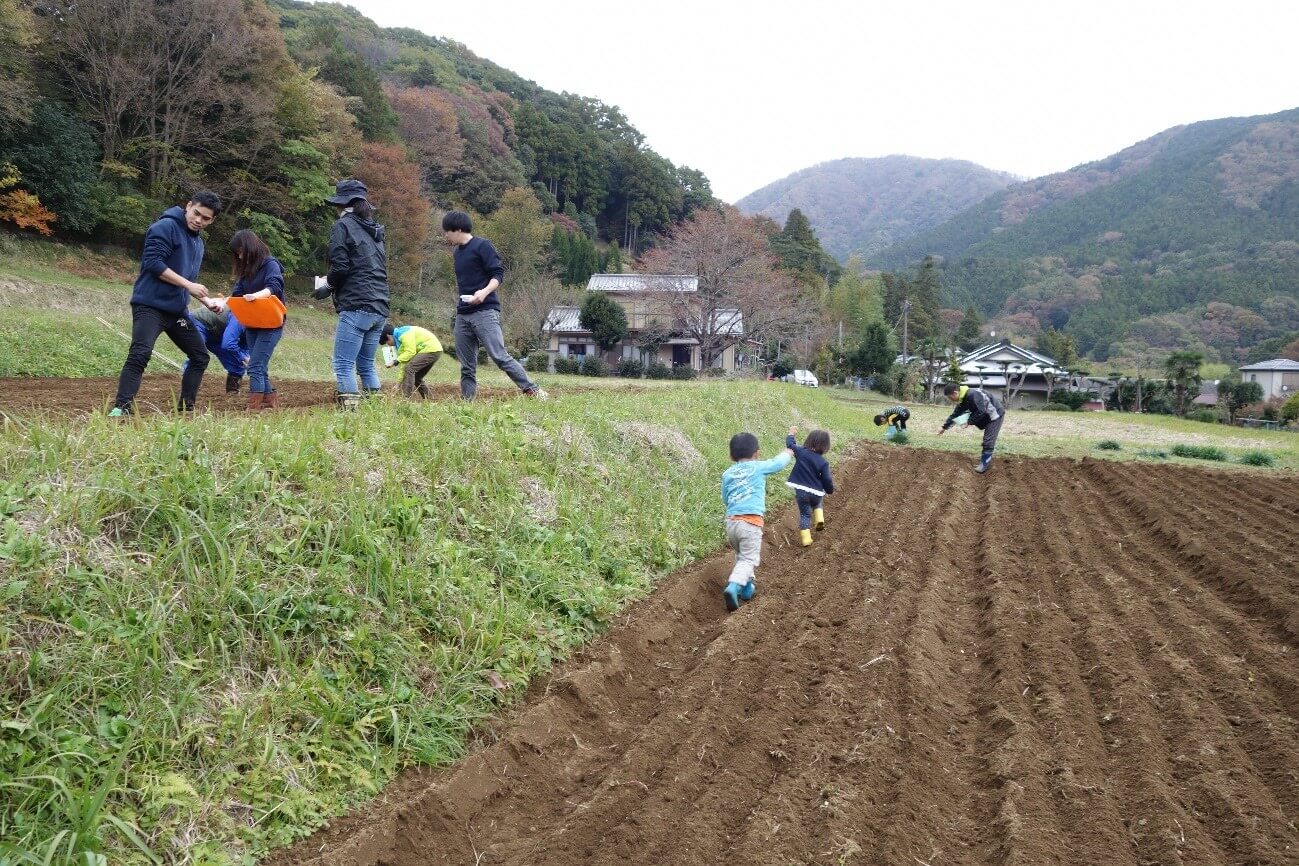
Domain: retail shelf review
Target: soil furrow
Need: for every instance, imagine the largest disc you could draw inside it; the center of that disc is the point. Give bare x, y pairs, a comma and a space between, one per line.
1049, 664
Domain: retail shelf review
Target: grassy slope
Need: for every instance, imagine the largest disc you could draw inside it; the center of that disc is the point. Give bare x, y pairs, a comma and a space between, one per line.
266, 618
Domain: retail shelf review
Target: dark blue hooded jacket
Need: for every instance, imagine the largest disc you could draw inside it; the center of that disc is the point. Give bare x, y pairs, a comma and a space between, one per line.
811, 470
168, 244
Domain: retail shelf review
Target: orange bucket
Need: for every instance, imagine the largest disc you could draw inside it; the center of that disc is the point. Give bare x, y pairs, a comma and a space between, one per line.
268, 312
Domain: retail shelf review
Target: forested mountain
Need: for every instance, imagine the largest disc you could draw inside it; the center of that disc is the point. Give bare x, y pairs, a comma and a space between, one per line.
1189, 239
866, 205
111, 110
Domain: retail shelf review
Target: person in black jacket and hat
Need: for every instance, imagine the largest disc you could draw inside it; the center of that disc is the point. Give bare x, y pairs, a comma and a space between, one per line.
358, 280
984, 411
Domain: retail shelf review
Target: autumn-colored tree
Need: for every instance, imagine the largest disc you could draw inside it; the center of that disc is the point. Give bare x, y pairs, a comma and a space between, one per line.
426, 121
21, 207
741, 294
394, 184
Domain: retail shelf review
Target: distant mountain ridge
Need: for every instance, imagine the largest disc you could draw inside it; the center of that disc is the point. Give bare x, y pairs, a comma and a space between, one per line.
1188, 239
865, 205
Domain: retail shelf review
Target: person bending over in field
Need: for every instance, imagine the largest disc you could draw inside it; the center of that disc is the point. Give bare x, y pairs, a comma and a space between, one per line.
744, 492
418, 349
894, 416
810, 479
224, 337
985, 412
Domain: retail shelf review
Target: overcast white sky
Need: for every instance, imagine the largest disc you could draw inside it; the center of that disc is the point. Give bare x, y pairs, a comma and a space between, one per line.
751, 91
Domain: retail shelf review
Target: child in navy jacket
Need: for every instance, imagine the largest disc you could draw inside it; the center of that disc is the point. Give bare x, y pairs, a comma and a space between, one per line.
810, 479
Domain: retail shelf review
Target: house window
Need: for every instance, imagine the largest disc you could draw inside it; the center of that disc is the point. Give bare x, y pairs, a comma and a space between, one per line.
1253, 377
576, 350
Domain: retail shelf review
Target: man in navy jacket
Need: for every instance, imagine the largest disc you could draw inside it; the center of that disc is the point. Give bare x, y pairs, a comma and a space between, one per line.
169, 267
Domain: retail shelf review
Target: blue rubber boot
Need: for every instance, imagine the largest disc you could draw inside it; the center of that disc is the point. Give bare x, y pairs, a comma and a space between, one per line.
749, 589
731, 595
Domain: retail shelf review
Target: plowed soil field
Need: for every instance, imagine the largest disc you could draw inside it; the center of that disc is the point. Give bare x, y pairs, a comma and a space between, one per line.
158, 394
1061, 662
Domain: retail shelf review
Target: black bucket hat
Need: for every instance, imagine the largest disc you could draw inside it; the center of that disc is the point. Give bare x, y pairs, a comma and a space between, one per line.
386, 332
347, 191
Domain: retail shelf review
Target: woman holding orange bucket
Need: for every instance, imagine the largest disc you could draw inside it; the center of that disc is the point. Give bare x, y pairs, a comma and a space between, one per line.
259, 276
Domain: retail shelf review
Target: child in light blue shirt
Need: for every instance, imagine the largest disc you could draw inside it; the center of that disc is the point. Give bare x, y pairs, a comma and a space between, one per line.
744, 492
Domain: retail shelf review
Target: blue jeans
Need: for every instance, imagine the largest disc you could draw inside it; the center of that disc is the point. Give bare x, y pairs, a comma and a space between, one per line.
261, 343
356, 341
807, 503
226, 346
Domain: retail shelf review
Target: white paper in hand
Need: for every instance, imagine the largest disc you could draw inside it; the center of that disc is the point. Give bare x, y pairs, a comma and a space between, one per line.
320, 283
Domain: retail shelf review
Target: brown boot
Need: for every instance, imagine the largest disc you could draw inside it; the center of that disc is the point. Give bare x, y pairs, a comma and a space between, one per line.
271, 401
255, 400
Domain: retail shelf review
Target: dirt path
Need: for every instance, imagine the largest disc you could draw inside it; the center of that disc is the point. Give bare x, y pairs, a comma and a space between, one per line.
157, 394
1059, 663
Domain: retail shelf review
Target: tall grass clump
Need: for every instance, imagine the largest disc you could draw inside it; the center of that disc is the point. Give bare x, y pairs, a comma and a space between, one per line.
1108, 445
218, 632
1200, 452
1257, 458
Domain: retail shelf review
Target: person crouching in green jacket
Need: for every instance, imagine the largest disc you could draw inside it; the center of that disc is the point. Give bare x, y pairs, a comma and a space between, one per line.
418, 349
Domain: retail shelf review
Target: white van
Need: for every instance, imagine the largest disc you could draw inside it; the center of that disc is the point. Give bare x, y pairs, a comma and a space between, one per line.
805, 377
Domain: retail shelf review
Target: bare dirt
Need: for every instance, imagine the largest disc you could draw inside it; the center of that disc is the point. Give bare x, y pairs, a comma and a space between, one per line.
25, 396
1061, 662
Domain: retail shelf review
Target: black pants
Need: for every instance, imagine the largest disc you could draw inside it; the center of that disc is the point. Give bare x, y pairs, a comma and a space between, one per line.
990, 434
146, 324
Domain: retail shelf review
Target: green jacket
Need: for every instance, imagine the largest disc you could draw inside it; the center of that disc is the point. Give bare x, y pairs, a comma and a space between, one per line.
413, 340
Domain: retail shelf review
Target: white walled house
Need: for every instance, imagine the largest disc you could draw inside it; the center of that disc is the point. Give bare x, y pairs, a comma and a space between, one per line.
652, 302
1279, 377
1004, 368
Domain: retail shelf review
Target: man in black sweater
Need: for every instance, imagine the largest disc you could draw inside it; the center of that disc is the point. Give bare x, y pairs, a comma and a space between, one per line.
985, 412
479, 273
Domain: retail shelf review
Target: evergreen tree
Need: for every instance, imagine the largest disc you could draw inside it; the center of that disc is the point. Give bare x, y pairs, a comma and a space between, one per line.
604, 318
59, 161
613, 260
875, 352
969, 334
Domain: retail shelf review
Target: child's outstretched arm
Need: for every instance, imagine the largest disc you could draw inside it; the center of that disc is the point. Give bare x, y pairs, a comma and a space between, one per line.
790, 442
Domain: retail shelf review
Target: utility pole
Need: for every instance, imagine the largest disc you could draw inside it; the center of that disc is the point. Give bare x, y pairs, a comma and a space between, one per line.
906, 310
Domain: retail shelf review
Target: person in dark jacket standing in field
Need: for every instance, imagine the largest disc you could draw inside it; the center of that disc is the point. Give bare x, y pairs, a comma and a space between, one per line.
479, 273
173, 255
985, 412
358, 280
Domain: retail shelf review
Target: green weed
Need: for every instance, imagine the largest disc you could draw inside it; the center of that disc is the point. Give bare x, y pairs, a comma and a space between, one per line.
1200, 452
1108, 445
1257, 458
